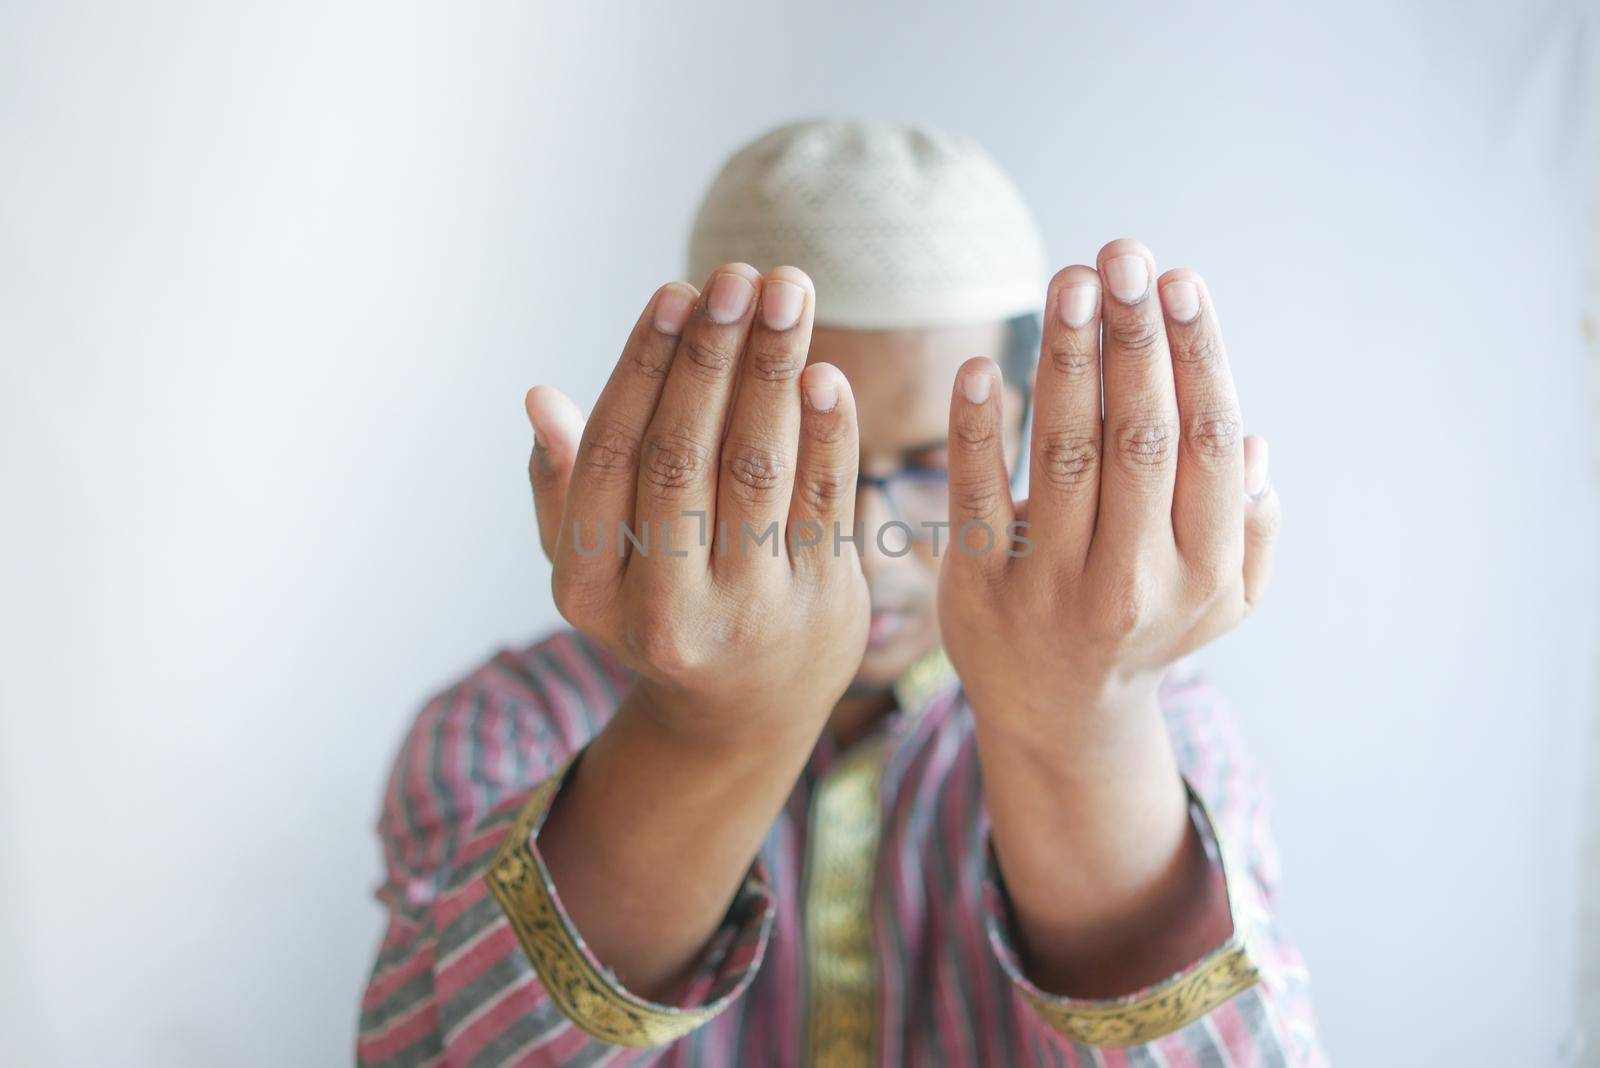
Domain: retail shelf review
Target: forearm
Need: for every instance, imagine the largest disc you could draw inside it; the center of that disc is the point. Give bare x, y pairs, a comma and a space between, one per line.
1109, 882
654, 831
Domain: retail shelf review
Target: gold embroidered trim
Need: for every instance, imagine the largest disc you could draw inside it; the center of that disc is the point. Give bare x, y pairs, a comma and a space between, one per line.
842, 1014
1173, 1003
1170, 1005
589, 999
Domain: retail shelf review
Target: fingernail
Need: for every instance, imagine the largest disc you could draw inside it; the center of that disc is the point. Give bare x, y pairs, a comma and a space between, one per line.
729, 298
1076, 304
1182, 301
1255, 468
976, 386
781, 304
672, 310
1129, 278
823, 396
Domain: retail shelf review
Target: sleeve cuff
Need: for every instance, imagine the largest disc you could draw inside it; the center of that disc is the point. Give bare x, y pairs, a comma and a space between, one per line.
1157, 1010
585, 990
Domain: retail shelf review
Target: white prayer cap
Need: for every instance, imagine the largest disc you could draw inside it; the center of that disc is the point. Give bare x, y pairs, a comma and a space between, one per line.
899, 226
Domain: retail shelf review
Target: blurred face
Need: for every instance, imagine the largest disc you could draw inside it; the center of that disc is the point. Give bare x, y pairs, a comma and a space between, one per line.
902, 381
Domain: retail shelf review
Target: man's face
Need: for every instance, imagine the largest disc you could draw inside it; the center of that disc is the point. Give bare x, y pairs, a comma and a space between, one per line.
902, 381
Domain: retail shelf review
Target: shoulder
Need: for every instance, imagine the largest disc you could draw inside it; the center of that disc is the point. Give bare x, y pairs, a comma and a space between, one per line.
480, 741
563, 679
562, 664
508, 721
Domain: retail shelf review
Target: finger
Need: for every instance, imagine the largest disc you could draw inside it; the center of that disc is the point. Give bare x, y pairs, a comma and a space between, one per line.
1263, 514
600, 495
981, 509
758, 452
1207, 508
824, 498
678, 462
1139, 441
557, 425
1064, 487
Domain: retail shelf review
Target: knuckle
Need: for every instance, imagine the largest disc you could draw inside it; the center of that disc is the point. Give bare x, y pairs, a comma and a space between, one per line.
673, 462
575, 600
823, 490
1207, 578
1126, 609
650, 361
972, 434
1070, 356
609, 451
1136, 335
1145, 444
561, 593
1199, 353
773, 360
1214, 434
755, 473
975, 499
668, 649
705, 355
1067, 459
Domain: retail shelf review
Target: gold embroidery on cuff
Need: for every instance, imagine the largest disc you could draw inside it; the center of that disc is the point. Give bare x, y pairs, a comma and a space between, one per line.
843, 1009
589, 999
1170, 1005
1225, 972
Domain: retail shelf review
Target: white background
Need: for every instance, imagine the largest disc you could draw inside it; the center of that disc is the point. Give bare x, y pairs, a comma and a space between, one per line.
273, 280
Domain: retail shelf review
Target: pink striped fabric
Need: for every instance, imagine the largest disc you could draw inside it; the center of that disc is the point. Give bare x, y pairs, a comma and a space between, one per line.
452, 986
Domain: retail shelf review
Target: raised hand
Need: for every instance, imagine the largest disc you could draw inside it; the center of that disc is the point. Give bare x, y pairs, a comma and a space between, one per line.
710, 443
1142, 540
1149, 532
739, 655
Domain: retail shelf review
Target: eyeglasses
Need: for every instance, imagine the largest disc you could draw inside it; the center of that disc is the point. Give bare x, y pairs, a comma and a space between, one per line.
919, 497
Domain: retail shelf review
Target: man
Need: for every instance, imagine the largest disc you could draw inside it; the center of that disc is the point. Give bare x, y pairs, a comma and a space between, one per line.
852, 757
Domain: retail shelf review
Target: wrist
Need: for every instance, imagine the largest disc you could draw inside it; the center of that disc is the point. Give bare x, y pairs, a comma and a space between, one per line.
725, 731
1111, 764
1134, 882
648, 765
1099, 719
1109, 778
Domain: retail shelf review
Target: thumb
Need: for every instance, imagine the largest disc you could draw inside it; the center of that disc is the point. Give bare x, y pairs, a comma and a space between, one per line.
557, 425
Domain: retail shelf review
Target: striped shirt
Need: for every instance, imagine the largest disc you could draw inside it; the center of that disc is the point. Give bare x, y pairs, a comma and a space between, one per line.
872, 927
